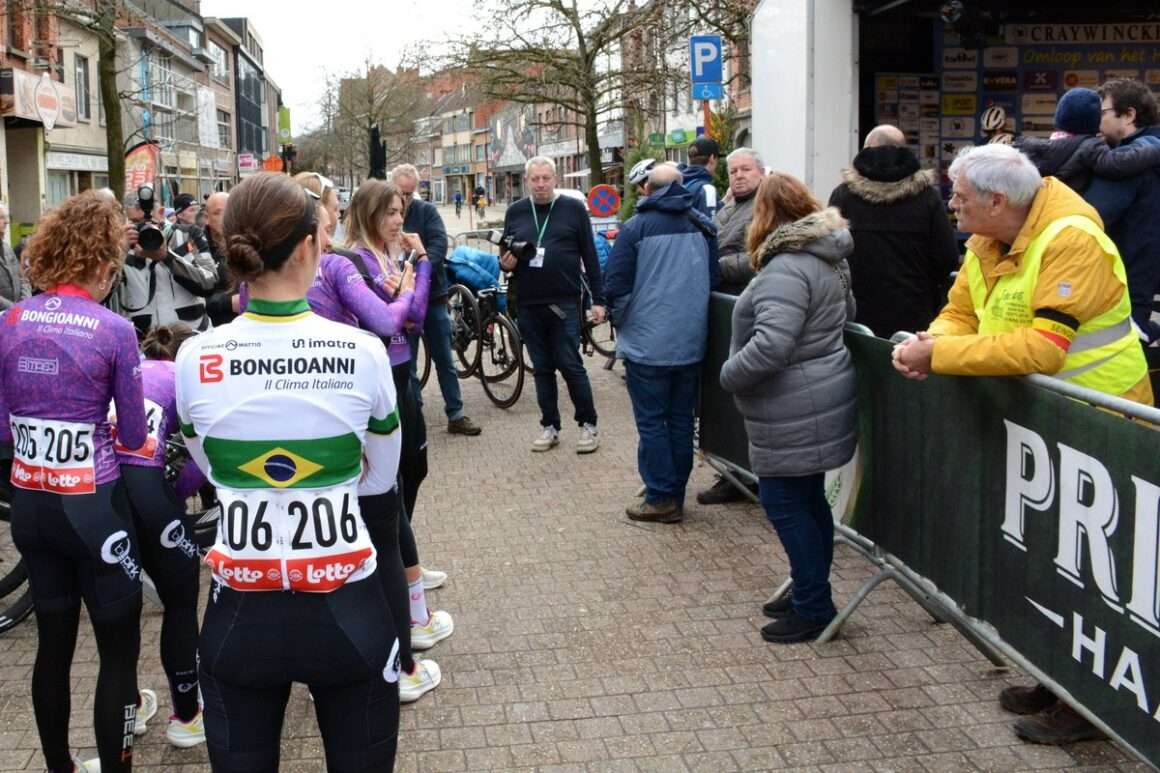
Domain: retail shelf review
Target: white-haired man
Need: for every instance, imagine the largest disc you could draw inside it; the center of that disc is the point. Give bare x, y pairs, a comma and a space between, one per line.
1042, 290
548, 291
422, 217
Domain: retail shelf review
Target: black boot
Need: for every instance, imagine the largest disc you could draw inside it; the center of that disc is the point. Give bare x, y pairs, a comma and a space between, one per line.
780, 608
1027, 700
721, 492
1055, 726
793, 628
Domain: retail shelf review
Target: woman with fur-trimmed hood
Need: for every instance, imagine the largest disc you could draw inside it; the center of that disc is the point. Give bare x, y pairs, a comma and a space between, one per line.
793, 382
904, 245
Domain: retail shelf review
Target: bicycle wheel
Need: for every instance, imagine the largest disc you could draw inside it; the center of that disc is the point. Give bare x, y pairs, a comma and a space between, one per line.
465, 329
602, 338
15, 593
423, 360
501, 364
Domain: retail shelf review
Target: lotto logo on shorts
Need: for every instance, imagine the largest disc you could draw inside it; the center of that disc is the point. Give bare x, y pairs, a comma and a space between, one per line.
246, 574
325, 573
210, 369
56, 481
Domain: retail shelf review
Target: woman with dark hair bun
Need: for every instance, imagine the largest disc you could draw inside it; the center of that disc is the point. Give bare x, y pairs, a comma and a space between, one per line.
168, 553
291, 418
63, 358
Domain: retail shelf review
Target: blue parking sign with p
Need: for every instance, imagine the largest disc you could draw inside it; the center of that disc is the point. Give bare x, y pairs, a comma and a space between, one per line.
705, 58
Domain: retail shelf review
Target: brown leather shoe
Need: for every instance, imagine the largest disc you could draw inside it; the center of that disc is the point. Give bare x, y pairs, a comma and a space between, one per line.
463, 426
1027, 700
665, 511
1055, 726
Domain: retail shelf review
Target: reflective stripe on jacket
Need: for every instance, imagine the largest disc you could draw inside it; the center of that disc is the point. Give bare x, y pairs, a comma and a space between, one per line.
1105, 354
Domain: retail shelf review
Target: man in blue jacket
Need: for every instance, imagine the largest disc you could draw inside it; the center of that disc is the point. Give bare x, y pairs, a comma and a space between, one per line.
657, 282
1129, 208
423, 218
697, 175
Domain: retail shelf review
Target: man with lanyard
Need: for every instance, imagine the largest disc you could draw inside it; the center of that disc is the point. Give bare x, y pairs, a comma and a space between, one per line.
548, 290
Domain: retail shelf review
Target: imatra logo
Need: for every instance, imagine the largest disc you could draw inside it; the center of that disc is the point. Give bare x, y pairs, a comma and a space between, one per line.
1089, 514
210, 369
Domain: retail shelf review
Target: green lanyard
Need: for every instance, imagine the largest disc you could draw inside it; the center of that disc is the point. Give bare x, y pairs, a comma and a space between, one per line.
540, 231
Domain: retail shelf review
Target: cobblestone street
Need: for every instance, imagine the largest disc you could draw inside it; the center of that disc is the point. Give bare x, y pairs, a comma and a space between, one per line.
585, 642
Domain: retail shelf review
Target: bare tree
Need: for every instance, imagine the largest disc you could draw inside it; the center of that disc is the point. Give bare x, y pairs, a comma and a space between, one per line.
566, 55
377, 97
98, 17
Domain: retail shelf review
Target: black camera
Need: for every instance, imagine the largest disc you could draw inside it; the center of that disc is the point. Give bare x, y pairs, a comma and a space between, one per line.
149, 236
522, 250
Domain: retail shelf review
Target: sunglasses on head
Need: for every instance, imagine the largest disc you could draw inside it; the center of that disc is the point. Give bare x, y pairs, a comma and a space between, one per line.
325, 182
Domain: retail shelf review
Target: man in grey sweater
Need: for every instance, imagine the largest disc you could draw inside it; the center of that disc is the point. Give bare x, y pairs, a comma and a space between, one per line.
13, 286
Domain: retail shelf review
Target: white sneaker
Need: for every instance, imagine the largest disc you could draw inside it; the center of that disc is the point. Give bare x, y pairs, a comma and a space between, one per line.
548, 439
146, 711
439, 627
426, 678
433, 578
92, 766
589, 439
185, 735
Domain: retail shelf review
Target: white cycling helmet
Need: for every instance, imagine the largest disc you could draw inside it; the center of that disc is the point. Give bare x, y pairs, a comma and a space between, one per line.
639, 172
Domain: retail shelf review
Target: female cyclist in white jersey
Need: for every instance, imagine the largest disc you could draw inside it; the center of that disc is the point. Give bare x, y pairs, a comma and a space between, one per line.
291, 417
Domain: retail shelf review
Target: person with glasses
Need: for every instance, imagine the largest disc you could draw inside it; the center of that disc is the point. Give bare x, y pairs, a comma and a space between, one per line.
63, 358
294, 598
422, 218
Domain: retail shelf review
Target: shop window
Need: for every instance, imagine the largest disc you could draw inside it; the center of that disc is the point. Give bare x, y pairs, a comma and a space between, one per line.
81, 76
60, 187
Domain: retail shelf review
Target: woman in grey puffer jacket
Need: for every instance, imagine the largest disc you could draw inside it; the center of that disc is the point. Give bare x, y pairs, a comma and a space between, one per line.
794, 383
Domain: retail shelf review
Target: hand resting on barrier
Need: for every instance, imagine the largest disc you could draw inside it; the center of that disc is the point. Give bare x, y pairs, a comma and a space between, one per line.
912, 358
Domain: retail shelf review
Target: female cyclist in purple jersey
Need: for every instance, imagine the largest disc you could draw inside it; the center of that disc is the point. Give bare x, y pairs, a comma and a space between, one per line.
374, 224
168, 551
63, 358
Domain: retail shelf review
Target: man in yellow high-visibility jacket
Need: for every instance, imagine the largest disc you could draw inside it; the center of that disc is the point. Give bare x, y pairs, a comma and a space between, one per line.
1042, 290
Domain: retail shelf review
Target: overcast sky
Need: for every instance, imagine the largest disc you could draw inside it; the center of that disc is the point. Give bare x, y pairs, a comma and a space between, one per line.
303, 41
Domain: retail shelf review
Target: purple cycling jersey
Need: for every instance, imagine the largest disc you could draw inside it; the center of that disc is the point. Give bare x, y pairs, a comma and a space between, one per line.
399, 349
160, 385
63, 357
339, 293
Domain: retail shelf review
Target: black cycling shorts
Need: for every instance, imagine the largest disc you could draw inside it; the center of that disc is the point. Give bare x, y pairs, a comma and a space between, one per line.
165, 532
341, 644
81, 546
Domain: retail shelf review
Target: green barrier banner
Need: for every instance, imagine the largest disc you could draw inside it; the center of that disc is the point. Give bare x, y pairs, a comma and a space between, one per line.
1036, 514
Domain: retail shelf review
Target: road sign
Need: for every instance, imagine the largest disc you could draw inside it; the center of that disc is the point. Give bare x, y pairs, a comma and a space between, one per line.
708, 91
603, 201
705, 58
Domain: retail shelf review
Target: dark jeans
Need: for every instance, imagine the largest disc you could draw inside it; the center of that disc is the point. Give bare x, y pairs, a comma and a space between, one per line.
438, 329
798, 510
664, 401
554, 344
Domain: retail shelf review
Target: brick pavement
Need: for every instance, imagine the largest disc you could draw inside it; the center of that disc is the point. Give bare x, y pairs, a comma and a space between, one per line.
587, 643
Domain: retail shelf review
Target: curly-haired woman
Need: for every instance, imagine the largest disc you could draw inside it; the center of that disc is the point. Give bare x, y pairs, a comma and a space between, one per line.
63, 358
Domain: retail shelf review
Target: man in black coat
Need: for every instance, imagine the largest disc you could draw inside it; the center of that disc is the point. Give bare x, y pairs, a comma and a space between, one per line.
423, 218
904, 246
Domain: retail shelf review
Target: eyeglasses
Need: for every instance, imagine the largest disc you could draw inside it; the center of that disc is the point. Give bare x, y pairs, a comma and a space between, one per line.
311, 194
1107, 110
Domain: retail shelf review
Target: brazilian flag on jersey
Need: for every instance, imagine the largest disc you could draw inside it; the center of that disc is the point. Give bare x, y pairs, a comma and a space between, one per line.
313, 463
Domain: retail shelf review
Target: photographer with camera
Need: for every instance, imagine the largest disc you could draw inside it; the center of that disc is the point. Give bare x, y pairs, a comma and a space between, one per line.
546, 237
167, 275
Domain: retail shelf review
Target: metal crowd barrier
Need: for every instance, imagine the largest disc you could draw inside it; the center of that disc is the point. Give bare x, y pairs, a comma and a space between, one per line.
1006, 507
